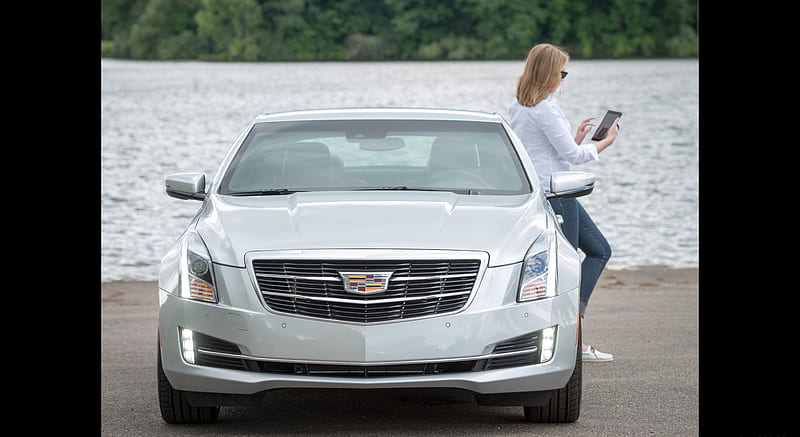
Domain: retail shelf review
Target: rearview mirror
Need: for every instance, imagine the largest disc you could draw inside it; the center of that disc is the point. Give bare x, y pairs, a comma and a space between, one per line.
188, 186
569, 184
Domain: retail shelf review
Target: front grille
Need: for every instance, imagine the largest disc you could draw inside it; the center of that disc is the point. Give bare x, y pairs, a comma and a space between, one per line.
416, 288
353, 371
514, 352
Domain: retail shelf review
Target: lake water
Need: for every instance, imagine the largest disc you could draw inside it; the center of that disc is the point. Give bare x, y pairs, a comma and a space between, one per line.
167, 117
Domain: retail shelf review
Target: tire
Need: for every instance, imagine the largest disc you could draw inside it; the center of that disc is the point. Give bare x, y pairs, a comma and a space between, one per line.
174, 407
565, 405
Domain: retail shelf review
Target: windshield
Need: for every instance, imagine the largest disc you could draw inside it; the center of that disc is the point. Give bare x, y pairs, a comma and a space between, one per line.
463, 157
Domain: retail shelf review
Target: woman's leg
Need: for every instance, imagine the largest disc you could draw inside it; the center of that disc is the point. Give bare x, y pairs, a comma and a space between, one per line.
568, 210
582, 233
597, 251
594, 245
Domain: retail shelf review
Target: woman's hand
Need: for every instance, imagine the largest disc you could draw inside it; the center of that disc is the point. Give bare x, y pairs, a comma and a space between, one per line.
609, 139
614, 130
583, 129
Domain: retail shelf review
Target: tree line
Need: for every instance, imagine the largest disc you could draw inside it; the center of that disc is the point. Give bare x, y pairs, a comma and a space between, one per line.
323, 30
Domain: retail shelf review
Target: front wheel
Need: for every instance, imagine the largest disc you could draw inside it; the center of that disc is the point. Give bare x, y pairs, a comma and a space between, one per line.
565, 405
174, 407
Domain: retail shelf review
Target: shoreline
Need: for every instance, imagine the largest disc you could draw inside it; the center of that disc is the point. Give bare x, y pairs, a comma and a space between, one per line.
649, 276
634, 273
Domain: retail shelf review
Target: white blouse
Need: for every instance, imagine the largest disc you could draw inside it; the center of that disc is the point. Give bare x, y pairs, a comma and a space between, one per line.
548, 138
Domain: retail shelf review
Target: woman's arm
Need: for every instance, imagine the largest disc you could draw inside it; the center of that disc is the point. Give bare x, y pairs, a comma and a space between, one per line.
556, 129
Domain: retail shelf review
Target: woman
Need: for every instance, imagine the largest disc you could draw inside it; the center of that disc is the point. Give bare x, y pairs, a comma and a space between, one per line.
538, 120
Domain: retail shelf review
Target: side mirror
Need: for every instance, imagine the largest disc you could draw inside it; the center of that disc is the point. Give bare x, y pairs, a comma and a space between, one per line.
568, 184
185, 186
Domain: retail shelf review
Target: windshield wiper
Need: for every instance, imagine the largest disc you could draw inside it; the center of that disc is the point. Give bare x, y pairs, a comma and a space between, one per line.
385, 188
284, 191
404, 188
266, 192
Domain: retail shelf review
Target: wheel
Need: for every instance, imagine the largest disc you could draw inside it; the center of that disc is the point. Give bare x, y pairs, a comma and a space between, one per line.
174, 407
565, 405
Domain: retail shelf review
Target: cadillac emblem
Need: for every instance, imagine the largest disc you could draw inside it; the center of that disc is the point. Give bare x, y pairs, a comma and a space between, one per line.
365, 282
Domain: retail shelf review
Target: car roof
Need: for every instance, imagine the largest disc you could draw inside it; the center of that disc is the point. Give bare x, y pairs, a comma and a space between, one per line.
380, 114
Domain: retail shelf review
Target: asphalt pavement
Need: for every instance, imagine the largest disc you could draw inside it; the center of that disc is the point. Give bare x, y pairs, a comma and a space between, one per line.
648, 319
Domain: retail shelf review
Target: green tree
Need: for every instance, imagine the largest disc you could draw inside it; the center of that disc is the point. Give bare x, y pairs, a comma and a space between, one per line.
319, 34
361, 23
287, 21
509, 28
117, 16
256, 30
677, 27
415, 23
162, 26
116, 19
231, 27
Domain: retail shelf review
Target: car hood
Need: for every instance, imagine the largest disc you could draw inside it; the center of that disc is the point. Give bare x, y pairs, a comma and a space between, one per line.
504, 227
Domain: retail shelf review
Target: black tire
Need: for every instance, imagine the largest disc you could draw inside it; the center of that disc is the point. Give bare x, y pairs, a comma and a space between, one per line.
565, 405
174, 407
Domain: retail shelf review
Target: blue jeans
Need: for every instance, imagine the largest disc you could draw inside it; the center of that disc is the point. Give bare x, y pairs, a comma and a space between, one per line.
581, 231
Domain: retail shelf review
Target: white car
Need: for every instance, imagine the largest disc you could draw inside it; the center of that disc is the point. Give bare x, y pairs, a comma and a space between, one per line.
371, 248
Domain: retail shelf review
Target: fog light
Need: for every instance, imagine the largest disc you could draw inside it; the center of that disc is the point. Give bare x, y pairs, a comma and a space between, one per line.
548, 344
187, 345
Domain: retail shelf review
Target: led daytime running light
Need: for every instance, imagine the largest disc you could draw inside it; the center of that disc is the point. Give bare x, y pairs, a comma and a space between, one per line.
548, 344
187, 345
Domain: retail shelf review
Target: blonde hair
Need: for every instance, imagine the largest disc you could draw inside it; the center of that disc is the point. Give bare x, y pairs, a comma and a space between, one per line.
541, 74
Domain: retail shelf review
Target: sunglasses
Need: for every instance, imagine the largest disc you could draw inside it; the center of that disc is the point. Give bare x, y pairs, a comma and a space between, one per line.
564, 74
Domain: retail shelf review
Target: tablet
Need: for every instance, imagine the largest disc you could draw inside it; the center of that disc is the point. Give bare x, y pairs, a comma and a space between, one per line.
605, 125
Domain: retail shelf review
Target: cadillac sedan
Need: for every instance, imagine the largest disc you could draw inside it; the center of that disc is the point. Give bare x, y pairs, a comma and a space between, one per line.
368, 249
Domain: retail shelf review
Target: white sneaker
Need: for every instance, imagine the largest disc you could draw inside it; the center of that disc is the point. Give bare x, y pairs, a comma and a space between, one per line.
592, 354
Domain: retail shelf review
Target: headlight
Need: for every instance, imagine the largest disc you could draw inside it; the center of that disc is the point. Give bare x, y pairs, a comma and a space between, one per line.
197, 274
536, 281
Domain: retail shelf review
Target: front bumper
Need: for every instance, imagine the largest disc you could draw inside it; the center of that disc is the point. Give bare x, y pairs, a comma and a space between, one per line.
279, 351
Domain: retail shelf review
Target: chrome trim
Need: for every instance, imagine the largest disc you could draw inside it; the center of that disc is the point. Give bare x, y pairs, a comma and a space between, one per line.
424, 278
364, 301
368, 363
360, 254
368, 113
309, 278
331, 278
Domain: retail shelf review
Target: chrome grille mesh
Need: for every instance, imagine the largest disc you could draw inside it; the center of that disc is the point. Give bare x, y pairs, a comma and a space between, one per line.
416, 288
